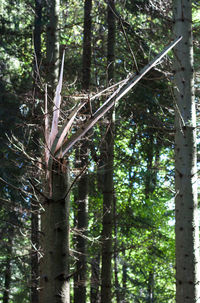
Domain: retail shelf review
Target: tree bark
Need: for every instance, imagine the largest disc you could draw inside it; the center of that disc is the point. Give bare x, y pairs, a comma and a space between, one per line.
82, 218
117, 285
34, 252
8, 270
54, 286
37, 40
95, 280
187, 235
34, 205
52, 45
82, 223
87, 34
108, 156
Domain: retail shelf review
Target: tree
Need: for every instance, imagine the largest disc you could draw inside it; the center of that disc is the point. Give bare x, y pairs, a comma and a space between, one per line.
55, 217
52, 45
35, 147
187, 224
108, 160
82, 196
54, 281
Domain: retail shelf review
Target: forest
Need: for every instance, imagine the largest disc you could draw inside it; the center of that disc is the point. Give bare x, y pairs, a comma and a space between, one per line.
99, 147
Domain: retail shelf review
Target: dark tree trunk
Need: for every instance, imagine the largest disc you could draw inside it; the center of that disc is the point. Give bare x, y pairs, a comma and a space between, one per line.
124, 282
52, 45
95, 280
81, 243
108, 154
34, 253
152, 158
87, 34
117, 285
54, 286
8, 271
37, 40
34, 204
151, 287
82, 202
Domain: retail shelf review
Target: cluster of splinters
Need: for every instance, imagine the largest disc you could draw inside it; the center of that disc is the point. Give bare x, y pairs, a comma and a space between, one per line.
57, 140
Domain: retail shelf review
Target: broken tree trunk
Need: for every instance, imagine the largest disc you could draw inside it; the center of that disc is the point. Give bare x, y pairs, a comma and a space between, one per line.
54, 265
54, 286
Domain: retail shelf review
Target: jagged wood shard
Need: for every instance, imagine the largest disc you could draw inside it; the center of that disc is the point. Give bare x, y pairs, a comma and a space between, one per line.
116, 96
57, 143
57, 101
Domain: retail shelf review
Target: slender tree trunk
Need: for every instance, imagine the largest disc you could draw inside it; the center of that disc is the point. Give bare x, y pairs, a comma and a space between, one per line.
37, 40
8, 271
52, 45
82, 218
187, 235
34, 253
34, 205
152, 158
82, 223
117, 286
87, 34
151, 287
106, 273
124, 277
54, 287
95, 280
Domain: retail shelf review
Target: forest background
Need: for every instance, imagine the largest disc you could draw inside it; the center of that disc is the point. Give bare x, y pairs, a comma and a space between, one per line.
122, 236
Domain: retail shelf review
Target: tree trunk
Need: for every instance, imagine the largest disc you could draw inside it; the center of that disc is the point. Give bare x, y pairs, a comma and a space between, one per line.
54, 287
108, 155
151, 287
187, 235
82, 223
34, 253
117, 285
37, 40
87, 34
8, 271
82, 218
95, 281
34, 205
52, 45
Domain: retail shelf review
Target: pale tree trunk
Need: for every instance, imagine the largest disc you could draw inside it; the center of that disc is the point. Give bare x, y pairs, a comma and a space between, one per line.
108, 156
187, 235
82, 203
54, 286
